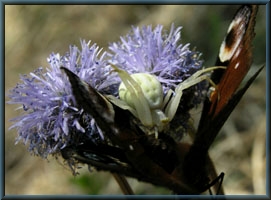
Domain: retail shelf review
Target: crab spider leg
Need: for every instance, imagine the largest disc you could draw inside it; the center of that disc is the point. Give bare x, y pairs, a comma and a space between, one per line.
140, 102
121, 104
196, 78
167, 98
192, 80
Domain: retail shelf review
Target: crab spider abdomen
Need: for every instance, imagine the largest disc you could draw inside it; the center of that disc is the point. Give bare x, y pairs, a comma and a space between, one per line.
145, 88
151, 88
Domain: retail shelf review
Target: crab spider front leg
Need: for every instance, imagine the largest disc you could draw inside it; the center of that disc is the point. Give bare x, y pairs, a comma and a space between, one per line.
139, 101
197, 77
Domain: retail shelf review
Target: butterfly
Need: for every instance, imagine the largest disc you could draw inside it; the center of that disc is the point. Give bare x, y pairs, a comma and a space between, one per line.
181, 167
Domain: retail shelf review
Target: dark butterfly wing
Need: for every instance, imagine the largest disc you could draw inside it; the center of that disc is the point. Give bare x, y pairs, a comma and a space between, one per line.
236, 54
197, 157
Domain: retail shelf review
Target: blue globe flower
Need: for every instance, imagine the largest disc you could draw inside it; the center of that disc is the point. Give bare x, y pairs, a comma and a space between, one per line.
51, 120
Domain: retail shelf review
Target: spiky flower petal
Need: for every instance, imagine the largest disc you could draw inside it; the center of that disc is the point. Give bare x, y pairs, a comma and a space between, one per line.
153, 51
51, 119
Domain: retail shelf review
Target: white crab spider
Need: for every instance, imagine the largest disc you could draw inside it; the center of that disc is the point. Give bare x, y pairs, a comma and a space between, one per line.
142, 94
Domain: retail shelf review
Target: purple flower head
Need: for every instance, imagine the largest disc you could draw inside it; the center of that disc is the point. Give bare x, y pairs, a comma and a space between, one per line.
156, 52
51, 119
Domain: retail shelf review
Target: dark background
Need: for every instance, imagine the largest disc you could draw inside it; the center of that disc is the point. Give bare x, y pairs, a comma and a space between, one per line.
32, 32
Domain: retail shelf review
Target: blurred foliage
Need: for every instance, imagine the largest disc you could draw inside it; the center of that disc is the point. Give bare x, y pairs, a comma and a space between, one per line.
32, 32
88, 183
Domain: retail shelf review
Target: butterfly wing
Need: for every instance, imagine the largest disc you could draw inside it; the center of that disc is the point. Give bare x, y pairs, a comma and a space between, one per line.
236, 55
